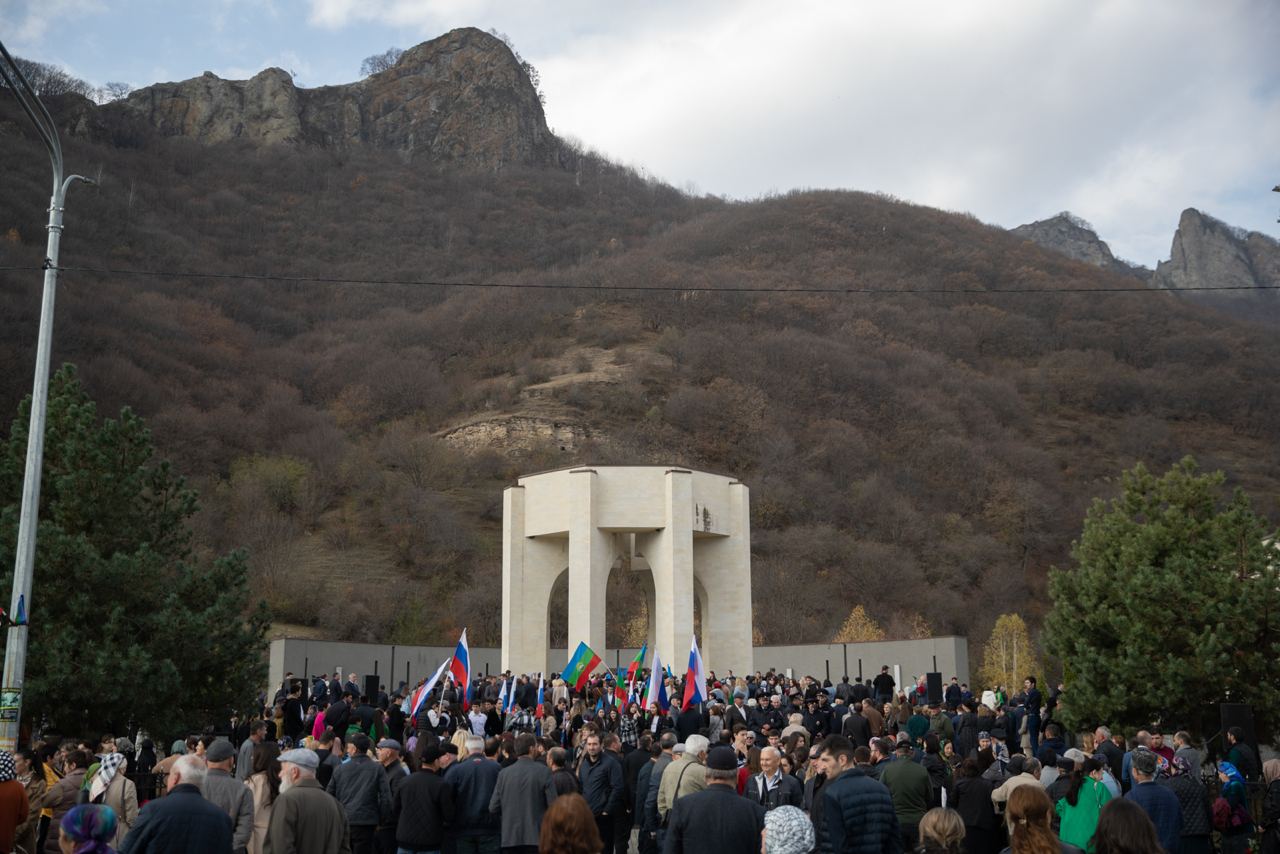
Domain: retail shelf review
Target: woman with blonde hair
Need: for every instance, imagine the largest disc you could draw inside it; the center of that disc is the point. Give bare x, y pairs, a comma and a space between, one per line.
942, 831
1028, 813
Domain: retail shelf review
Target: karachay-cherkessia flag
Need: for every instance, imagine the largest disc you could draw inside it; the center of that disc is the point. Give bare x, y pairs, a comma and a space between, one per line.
634, 667
580, 665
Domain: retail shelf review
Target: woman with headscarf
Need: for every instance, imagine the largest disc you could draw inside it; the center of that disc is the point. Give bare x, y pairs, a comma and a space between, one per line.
1231, 811
110, 787
30, 770
14, 809
787, 830
87, 829
1271, 807
1197, 816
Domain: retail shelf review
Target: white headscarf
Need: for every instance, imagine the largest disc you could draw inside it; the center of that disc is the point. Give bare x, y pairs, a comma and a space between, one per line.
110, 765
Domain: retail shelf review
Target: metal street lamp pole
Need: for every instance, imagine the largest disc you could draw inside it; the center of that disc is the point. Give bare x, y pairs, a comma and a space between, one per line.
15, 652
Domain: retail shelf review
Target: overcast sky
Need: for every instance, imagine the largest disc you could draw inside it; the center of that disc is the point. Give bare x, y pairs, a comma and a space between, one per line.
1123, 112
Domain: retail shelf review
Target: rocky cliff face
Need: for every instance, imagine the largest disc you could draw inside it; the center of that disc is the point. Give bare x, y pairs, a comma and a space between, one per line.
461, 98
1074, 238
1212, 254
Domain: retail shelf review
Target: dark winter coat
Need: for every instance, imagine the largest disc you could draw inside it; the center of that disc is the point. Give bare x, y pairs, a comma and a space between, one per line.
714, 819
473, 780
859, 816
421, 808
602, 784
361, 787
180, 821
1193, 797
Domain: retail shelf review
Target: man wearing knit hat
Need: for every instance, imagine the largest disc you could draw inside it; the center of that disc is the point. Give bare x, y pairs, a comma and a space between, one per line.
717, 818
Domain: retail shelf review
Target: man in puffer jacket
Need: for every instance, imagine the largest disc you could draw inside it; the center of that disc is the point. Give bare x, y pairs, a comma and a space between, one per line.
361, 786
857, 810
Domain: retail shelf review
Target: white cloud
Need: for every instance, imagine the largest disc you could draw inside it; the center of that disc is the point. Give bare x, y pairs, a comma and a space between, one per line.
1126, 112
25, 24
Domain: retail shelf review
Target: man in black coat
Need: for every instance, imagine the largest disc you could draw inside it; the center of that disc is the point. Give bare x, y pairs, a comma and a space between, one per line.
737, 713
715, 819
856, 728
337, 716
182, 820
422, 806
600, 776
883, 685
689, 722
772, 788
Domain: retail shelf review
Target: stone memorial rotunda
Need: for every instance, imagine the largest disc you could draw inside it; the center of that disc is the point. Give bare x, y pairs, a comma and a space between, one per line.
689, 530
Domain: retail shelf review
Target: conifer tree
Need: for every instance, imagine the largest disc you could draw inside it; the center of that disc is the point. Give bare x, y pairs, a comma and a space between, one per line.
127, 625
1171, 606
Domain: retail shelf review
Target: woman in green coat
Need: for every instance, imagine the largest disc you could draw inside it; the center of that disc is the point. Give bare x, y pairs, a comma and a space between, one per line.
1079, 809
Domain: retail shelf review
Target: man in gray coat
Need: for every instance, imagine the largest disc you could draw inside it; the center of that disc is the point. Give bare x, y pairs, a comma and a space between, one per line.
228, 793
244, 761
360, 785
523, 793
304, 818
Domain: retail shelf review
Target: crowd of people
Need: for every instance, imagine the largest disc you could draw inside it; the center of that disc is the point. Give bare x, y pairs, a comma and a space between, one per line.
766, 763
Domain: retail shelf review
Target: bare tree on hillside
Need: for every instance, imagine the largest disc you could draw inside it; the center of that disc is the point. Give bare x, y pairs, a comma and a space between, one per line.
380, 62
114, 91
48, 80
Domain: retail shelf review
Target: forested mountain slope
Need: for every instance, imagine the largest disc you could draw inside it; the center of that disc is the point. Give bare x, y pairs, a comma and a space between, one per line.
918, 453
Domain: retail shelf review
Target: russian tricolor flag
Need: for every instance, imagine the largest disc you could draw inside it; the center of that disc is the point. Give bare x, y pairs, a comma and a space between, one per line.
657, 692
539, 712
695, 681
461, 670
420, 696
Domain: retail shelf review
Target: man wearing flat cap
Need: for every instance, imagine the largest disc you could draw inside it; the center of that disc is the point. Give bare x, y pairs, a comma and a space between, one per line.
716, 818
305, 818
228, 793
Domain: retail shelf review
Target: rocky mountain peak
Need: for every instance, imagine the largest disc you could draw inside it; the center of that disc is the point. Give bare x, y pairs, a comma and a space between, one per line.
462, 98
1209, 253
1075, 238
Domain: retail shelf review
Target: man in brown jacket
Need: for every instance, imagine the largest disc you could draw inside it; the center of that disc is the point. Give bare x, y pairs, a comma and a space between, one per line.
305, 819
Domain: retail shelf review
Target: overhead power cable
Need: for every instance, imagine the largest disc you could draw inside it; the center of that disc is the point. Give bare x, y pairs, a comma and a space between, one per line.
567, 286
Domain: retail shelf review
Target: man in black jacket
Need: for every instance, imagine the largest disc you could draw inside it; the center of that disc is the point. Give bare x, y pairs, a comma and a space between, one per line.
715, 819
337, 716
472, 780
422, 807
883, 686
600, 776
737, 713
856, 728
182, 820
772, 788
361, 787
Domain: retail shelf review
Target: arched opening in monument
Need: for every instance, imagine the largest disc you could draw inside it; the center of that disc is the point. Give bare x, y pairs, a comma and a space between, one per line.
558, 612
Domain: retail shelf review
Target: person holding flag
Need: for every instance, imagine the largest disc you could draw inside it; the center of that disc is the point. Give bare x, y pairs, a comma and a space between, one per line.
578, 671
691, 719
460, 670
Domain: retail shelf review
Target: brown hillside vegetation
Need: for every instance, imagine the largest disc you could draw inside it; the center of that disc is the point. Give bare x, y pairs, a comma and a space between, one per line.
915, 454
